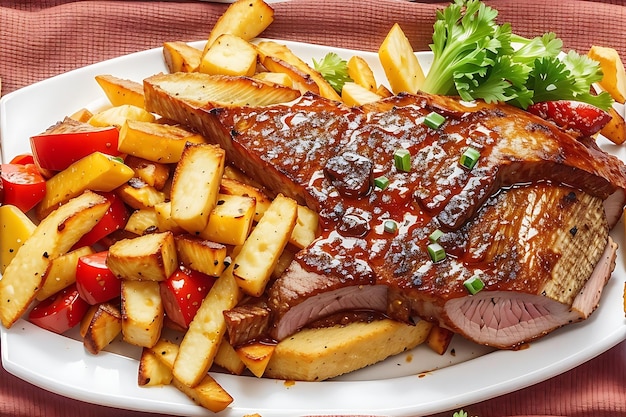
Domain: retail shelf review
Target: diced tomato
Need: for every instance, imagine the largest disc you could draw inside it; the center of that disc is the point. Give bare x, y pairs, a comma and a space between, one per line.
23, 159
94, 280
59, 312
182, 294
23, 185
576, 116
114, 219
57, 151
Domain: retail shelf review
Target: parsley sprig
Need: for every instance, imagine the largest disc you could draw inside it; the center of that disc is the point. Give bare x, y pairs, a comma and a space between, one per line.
334, 69
476, 58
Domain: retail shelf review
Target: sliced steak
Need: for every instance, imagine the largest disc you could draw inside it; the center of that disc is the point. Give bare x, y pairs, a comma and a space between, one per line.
528, 219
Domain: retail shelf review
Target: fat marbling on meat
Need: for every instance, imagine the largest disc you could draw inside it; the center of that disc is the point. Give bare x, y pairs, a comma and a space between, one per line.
528, 219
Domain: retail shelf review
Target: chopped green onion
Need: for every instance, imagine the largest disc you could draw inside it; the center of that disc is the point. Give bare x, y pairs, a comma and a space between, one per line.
437, 252
116, 159
434, 236
469, 158
434, 120
474, 284
390, 226
402, 159
381, 182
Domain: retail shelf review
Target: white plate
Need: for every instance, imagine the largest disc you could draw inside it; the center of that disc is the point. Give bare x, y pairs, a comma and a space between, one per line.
400, 386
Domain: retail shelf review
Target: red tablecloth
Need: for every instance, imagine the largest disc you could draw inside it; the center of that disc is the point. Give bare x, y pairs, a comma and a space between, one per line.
39, 39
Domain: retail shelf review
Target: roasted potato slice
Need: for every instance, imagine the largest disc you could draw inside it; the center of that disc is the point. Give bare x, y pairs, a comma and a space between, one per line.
151, 257
361, 73
152, 371
181, 57
120, 91
227, 358
152, 173
256, 356
232, 186
118, 115
244, 18
403, 70
54, 236
155, 141
614, 74
201, 255
354, 94
143, 221
207, 393
164, 218
231, 220
206, 331
105, 325
306, 228
229, 55
195, 185
439, 339
142, 312
61, 272
140, 195
258, 256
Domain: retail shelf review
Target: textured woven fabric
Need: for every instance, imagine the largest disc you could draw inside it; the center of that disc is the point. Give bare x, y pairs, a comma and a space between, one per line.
39, 39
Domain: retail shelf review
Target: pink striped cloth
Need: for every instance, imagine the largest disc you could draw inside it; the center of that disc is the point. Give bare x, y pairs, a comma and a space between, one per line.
39, 39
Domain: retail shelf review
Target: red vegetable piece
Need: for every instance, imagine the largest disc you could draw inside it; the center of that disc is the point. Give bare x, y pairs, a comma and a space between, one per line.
23, 159
94, 280
60, 312
182, 294
114, 219
57, 151
23, 185
582, 118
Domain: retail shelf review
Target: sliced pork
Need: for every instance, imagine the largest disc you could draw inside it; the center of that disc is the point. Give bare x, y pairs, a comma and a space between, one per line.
528, 220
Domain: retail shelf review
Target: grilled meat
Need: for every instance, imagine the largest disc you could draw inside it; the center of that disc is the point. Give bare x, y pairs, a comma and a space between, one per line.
528, 219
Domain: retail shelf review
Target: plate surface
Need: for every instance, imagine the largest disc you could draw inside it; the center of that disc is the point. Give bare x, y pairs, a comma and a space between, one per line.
415, 383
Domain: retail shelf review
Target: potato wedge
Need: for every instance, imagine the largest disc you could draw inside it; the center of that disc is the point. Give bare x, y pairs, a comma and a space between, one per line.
195, 186
96, 172
118, 115
165, 221
275, 77
258, 256
244, 18
206, 331
207, 393
231, 220
229, 55
15, 228
142, 312
150, 257
155, 141
138, 194
323, 353
55, 235
439, 339
181, 57
152, 372
81, 115
227, 358
61, 272
201, 255
403, 70
155, 174
361, 73
256, 357
232, 186
120, 91
142, 221
354, 94
614, 78
615, 129
306, 228
105, 325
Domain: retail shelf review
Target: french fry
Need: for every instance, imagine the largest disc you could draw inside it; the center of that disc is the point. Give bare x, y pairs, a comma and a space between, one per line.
206, 331
142, 312
254, 264
120, 91
195, 186
152, 371
54, 236
207, 393
16, 228
105, 325
150, 257
61, 272
181, 57
256, 356
399, 62
231, 220
244, 18
201, 255
229, 55
154, 141
96, 172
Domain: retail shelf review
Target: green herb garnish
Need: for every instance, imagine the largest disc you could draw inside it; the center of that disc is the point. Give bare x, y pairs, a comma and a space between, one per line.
334, 69
434, 120
390, 226
476, 58
474, 284
381, 182
402, 159
437, 252
434, 236
469, 158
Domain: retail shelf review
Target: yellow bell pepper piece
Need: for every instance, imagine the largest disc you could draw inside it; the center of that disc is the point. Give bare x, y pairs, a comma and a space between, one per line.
15, 228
